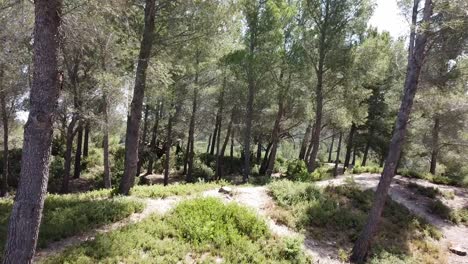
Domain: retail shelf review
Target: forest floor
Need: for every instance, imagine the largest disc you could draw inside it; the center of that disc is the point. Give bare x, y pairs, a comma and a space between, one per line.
258, 199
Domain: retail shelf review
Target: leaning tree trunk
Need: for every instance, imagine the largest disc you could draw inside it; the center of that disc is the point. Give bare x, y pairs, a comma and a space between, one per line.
220, 123
86, 139
79, 146
220, 166
349, 146
134, 118
4, 181
337, 160
366, 149
71, 132
23, 228
275, 138
209, 144
215, 134
105, 144
330, 150
416, 54
142, 141
435, 145
264, 165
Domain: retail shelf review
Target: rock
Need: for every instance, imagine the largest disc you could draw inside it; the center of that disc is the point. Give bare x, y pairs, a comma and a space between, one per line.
458, 250
226, 190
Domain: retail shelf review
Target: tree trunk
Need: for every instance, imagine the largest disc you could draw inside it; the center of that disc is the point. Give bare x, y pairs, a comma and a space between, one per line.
435, 145
23, 228
215, 134
142, 141
330, 150
191, 138
105, 145
223, 149
366, 153
220, 123
266, 156
153, 143
309, 148
305, 142
134, 118
86, 140
337, 160
4, 181
349, 146
354, 156
209, 144
79, 146
168, 151
417, 48
275, 138
71, 131
258, 158
231, 151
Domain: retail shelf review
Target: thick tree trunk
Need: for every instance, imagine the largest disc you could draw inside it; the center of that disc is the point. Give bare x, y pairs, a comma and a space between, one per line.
71, 132
330, 150
417, 48
86, 140
23, 228
349, 146
4, 181
167, 161
435, 145
134, 118
79, 146
305, 142
142, 141
105, 145
153, 143
337, 160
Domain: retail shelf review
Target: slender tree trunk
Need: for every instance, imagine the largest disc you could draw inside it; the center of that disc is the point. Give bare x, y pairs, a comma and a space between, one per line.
223, 149
168, 151
86, 140
105, 145
79, 146
4, 181
309, 148
142, 141
71, 131
191, 138
305, 142
258, 158
134, 118
215, 134
415, 61
266, 156
231, 151
153, 144
23, 228
349, 146
209, 144
435, 145
330, 150
366, 153
220, 123
275, 138
354, 156
337, 160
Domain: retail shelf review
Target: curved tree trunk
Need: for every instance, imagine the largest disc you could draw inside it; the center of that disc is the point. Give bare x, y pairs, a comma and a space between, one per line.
71, 132
134, 118
23, 228
417, 49
275, 138
305, 142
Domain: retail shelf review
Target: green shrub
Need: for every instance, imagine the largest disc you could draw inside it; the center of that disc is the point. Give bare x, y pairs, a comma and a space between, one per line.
358, 169
438, 179
430, 192
321, 173
202, 171
439, 208
297, 170
160, 191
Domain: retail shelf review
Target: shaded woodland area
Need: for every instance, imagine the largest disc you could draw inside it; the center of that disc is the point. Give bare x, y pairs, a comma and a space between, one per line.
300, 114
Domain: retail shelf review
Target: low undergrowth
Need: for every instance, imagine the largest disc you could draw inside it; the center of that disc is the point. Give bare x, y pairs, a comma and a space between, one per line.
338, 213
68, 215
160, 191
430, 192
459, 216
203, 230
366, 169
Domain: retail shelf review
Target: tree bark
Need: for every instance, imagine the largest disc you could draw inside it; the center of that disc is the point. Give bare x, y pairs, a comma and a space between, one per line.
417, 49
435, 145
214, 137
79, 146
258, 158
349, 146
305, 142
134, 118
354, 156
209, 144
275, 138
23, 228
330, 150
366, 153
266, 156
220, 123
153, 143
142, 141
337, 160
5, 117
223, 149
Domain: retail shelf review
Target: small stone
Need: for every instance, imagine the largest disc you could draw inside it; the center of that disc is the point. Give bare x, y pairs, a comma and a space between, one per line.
458, 250
225, 190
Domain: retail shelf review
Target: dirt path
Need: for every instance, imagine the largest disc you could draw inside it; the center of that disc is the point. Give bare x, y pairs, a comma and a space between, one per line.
454, 235
152, 206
